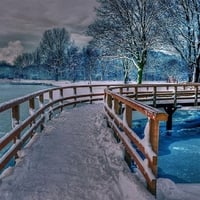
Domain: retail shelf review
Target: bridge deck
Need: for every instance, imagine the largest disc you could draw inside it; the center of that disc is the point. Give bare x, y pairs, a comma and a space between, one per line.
68, 162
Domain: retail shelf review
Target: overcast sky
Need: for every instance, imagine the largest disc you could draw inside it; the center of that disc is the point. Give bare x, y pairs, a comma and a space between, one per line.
22, 22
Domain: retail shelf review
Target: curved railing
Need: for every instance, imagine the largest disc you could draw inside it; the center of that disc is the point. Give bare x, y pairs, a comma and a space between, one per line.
123, 103
29, 113
157, 95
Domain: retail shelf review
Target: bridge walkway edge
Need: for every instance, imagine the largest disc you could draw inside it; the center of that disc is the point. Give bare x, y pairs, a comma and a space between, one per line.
69, 160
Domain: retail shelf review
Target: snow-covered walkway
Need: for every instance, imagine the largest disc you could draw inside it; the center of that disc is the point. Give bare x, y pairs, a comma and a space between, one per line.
70, 161
77, 158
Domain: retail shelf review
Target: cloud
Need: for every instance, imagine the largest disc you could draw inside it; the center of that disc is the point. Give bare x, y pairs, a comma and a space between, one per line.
27, 20
11, 51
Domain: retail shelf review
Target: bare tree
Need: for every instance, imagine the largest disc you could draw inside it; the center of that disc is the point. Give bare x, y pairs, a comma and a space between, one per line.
52, 48
181, 24
127, 29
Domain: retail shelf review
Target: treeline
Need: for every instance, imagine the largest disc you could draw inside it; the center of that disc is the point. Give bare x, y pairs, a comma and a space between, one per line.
129, 37
129, 29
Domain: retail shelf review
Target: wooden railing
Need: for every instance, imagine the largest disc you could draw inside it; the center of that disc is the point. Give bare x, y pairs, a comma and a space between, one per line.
144, 152
29, 113
122, 102
161, 94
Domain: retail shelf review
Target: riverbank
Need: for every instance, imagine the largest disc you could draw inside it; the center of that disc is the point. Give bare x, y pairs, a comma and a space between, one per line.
35, 82
66, 83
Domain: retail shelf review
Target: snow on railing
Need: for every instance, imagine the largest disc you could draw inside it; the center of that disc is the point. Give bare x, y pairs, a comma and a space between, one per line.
144, 151
29, 113
162, 93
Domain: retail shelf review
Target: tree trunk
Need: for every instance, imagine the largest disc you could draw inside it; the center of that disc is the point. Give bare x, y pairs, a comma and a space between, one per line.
196, 74
56, 74
196, 70
139, 75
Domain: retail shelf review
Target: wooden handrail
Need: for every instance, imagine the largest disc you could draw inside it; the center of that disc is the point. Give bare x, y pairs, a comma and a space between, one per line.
164, 93
119, 112
121, 101
43, 104
41, 107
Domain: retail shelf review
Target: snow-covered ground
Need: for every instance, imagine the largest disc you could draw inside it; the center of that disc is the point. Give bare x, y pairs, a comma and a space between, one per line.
131, 184
68, 83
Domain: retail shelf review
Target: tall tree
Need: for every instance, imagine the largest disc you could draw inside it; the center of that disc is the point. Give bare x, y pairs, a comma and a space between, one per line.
24, 60
126, 29
52, 48
90, 55
183, 32
73, 62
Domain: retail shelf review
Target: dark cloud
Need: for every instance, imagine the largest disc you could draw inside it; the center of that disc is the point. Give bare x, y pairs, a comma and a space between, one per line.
26, 20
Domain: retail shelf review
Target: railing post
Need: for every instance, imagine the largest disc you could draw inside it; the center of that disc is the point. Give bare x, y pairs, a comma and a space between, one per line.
16, 119
50, 100
136, 92
61, 96
90, 94
154, 141
117, 107
41, 103
109, 101
15, 116
175, 95
128, 116
75, 93
196, 95
154, 134
154, 95
121, 90
31, 106
41, 100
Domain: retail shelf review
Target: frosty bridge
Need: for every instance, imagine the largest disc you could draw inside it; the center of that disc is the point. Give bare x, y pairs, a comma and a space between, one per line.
120, 103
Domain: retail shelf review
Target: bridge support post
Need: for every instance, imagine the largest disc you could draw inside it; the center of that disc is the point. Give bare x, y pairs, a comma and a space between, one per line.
170, 109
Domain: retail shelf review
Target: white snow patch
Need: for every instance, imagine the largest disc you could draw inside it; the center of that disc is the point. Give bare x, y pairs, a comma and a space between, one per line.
133, 184
130, 185
168, 190
7, 172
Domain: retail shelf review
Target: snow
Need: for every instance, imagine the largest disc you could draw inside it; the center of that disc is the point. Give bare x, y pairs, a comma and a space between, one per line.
129, 185
168, 190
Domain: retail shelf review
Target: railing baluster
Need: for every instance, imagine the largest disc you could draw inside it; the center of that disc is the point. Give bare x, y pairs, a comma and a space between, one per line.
196, 95
154, 95
31, 106
61, 96
128, 115
37, 115
75, 93
15, 116
90, 94
175, 95
51, 107
109, 100
148, 147
41, 100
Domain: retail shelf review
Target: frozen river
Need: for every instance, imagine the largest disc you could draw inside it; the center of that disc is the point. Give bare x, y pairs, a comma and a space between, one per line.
179, 154
179, 149
11, 91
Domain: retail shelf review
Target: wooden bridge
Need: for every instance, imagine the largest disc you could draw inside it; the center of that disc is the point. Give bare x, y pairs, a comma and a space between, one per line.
120, 102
